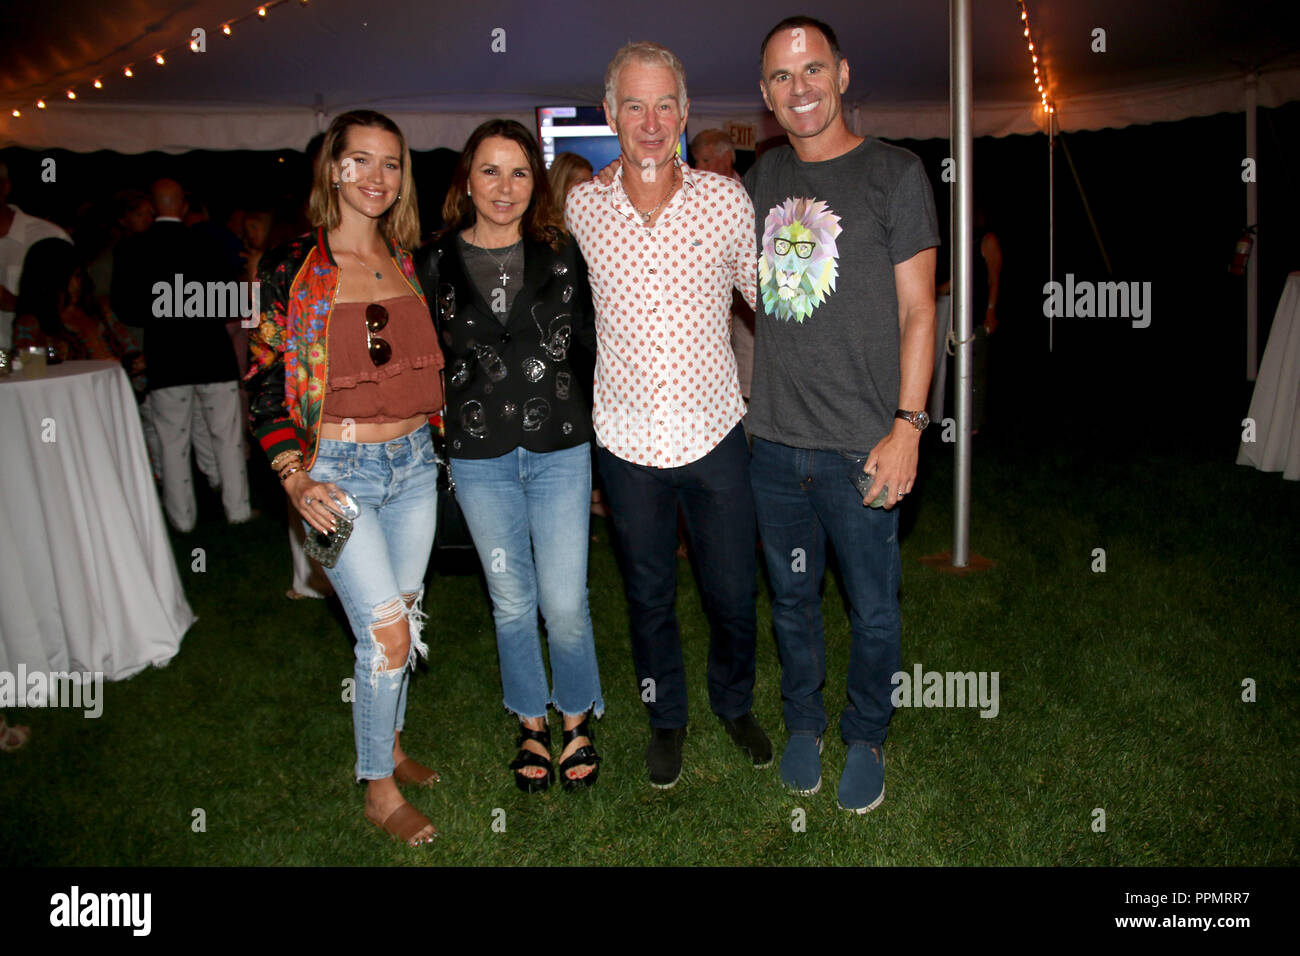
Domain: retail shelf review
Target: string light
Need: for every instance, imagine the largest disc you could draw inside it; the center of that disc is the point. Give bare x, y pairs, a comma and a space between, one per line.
1040, 72
160, 56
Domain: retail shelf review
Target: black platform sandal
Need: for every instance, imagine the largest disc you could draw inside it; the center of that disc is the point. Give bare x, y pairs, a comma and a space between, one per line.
584, 756
528, 758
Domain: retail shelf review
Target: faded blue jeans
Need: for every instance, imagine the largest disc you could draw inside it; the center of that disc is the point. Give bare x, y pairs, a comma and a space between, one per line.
380, 569
529, 513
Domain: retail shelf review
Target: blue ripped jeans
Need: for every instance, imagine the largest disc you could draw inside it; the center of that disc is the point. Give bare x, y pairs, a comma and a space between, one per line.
380, 569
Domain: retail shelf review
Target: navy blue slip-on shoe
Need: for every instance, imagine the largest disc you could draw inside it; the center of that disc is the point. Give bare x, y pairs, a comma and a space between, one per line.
862, 785
801, 764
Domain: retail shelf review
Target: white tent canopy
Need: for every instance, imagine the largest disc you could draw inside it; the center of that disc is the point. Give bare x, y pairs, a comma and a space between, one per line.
441, 68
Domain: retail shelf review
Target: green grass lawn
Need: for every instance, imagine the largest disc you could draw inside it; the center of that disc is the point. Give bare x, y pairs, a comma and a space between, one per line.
1119, 690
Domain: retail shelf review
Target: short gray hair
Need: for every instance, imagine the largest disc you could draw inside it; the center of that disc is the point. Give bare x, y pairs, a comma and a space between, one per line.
643, 51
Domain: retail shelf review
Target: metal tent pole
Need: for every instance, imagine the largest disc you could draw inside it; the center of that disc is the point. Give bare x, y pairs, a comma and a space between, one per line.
959, 71
1051, 219
1252, 219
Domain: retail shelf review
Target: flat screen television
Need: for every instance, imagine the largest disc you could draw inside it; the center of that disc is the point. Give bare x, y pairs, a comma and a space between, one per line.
581, 130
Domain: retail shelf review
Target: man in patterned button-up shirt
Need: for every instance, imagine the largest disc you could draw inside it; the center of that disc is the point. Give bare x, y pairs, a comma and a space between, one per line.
665, 245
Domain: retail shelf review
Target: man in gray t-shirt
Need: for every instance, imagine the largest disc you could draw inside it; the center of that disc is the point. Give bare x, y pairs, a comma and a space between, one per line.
843, 354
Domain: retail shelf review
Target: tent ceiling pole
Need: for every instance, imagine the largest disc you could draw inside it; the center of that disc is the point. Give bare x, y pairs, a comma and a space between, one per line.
1252, 219
959, 74
1051, 221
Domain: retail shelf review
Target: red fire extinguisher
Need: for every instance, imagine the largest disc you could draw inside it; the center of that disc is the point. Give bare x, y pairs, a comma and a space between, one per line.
1242, 253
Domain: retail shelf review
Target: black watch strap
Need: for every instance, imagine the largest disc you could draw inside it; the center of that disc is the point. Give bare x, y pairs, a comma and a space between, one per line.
918, 419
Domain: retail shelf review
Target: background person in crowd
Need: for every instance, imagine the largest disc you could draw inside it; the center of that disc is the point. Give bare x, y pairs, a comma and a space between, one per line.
57, 308
513, 304
841, 374
254, 232
714, 151
18, 233
132, 214
668, 405
567, 170
343, 380
189, 358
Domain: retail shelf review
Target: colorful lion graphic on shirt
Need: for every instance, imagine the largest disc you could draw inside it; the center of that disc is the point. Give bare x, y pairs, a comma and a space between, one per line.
798, 265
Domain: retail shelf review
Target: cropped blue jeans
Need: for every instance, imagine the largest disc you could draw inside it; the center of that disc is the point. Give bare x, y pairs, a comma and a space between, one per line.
528, 513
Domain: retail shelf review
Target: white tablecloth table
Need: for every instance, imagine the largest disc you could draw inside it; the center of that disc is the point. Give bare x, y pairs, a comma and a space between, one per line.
1275, 404
87, 577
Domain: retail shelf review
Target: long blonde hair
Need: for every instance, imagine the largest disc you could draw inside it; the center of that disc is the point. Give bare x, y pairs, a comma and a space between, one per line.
401, 223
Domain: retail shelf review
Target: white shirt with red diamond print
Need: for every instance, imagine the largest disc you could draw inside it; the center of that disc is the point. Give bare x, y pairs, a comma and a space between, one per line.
666, 387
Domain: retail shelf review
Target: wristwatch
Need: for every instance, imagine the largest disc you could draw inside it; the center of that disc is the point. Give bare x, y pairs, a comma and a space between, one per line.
918, 419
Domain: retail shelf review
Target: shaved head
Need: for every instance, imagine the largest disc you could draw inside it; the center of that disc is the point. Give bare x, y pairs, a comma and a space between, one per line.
169, 198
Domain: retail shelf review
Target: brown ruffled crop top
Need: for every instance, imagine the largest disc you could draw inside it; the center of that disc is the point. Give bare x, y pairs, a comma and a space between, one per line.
407, 385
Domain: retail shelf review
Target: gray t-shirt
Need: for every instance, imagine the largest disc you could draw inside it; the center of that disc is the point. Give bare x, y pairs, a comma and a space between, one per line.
826, 351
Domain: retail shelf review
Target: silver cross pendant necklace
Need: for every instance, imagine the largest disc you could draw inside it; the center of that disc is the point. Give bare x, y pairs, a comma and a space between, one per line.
505, 276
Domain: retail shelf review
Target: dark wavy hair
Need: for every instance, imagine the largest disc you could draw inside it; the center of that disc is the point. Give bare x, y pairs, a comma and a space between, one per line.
43, 287
539, 223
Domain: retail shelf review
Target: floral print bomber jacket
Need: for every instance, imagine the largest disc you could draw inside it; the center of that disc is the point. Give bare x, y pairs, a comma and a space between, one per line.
288, 358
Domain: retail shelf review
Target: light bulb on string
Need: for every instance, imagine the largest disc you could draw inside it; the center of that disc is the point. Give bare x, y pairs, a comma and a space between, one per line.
158, 58
40, 104
72, 94
17, 113
127, 72
261, 12
98, 84
225, 28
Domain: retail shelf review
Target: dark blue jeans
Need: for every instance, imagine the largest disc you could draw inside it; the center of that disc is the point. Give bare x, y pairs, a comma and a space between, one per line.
804, 499
716, 498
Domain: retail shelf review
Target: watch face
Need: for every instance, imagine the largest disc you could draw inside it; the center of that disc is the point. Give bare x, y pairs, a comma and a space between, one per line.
921, 420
